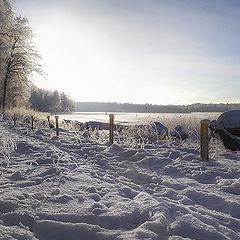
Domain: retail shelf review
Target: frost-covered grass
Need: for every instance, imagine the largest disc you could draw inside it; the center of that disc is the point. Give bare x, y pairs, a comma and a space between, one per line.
7, 146
132, 135
27, 113
24, 117
139, 137
189, 122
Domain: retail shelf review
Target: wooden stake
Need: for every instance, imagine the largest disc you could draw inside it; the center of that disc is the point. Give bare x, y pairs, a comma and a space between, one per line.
32, 122
57, 129
49, 123
204, 139
111, 123
14, 119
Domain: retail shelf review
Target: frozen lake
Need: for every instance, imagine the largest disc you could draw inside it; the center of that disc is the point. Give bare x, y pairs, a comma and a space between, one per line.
121, 117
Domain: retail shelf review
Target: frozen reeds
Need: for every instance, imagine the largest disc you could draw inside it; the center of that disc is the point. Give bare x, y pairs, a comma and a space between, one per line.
7, 145
132, 135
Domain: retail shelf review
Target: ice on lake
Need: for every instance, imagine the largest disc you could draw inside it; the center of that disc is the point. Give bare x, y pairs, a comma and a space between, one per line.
134, 117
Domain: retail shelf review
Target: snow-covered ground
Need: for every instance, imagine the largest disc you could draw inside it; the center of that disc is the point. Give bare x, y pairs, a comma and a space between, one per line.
75, 188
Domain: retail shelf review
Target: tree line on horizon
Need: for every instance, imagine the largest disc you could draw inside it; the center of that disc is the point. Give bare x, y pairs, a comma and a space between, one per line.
19, 60
152, 108
50, 101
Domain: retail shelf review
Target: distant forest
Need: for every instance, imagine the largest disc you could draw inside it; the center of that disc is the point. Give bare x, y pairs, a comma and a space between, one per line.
50, 101
150, 108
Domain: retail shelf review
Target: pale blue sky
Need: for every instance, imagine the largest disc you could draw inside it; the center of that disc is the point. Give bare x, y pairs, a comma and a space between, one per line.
139, 51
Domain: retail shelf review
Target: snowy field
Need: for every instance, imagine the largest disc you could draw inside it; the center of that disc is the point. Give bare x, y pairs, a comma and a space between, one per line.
79, 187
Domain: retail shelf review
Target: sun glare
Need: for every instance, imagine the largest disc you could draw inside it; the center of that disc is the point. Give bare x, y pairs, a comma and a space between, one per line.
78, 58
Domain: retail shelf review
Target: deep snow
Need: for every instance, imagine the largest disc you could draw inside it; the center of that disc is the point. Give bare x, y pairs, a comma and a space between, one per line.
72, 187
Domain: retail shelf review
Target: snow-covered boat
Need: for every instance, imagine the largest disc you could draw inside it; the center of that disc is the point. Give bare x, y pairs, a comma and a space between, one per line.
228, 128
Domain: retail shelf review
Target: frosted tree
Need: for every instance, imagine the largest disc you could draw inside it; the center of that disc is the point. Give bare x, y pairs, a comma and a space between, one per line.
21, 62
19, 58
6, 20
67, 104
56, 101
50, 101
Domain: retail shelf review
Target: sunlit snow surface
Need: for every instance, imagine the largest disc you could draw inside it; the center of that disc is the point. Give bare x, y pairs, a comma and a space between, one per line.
57, 188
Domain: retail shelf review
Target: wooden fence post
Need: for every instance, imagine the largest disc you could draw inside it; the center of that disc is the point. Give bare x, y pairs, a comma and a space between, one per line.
57, 129
49, 123
204, 139
32, 122
48, 118
14, 119
111, 124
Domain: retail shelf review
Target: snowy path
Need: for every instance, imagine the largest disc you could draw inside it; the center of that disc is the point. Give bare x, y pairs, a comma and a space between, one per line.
56, 188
